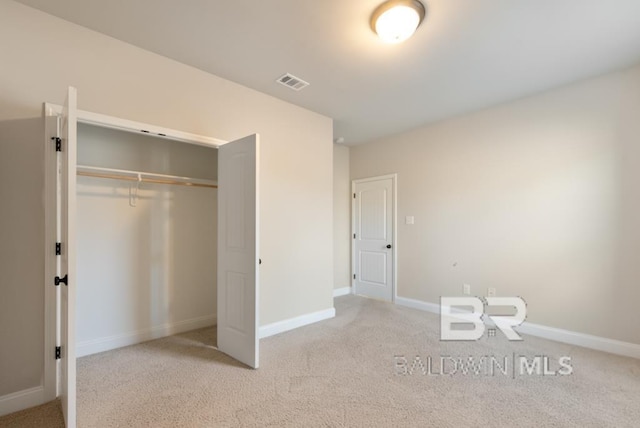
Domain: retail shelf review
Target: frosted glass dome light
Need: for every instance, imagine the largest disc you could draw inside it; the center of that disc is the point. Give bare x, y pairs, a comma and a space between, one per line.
396, 20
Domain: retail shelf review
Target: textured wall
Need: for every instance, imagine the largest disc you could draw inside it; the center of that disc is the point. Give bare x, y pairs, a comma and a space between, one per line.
538, 198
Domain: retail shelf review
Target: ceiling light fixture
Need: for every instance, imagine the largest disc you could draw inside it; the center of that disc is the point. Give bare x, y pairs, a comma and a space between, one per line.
396, 20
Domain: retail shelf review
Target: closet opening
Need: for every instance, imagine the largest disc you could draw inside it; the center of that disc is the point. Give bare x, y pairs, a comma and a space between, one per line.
146, 238
147, 245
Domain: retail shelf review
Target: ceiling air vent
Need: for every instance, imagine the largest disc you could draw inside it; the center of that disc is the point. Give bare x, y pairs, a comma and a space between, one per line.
293, 82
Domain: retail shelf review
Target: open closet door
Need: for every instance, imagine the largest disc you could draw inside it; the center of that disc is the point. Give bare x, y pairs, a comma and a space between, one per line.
66, 279
238, 249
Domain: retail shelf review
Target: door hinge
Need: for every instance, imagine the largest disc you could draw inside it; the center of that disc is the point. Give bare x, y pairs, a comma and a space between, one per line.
354, 196
58, 142
58, 248
354, 276
58, 352
64, 280
354, 236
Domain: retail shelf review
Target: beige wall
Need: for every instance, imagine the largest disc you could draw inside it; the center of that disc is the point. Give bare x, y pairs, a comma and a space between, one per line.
22, 231
539, 198
42, 55
341, 218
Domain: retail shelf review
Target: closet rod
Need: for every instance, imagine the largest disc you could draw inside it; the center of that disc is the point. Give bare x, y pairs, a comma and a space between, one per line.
133, 176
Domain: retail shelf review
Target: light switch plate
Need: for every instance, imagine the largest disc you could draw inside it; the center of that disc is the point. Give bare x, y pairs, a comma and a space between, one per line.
409, 219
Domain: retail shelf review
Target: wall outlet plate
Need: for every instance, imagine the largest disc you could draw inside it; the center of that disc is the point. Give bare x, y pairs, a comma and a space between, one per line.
466, 289
491, 292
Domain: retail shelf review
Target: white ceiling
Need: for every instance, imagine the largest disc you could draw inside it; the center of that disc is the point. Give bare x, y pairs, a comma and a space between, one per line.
467, 55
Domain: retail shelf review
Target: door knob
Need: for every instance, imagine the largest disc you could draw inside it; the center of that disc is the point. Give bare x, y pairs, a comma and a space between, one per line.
389, 246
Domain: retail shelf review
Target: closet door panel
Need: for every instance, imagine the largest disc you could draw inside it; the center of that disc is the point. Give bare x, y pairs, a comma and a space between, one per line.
67, 259
238, 250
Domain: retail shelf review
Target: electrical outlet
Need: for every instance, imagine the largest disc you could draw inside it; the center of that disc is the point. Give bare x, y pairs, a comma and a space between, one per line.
491, 292
466, 289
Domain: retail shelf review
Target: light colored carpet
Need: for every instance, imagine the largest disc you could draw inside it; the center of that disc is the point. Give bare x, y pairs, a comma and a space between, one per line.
342, 373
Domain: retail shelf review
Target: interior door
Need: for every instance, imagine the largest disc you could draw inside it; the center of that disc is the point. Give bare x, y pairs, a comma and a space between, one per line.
238, 261
373, 238
66, 277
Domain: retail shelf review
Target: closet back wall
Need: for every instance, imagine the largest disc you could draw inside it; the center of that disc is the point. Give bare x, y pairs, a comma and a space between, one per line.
148, 270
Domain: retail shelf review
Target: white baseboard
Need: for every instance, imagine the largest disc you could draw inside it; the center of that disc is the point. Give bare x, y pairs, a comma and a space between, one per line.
337, 292
131, 338
21, 400
293, 323
598, 343
418, 304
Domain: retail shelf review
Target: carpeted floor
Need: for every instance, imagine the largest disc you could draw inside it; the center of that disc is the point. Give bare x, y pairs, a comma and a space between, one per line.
347, 372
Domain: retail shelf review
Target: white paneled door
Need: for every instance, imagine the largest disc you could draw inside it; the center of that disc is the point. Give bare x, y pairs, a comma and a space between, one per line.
373, 237
66, 269
238, 250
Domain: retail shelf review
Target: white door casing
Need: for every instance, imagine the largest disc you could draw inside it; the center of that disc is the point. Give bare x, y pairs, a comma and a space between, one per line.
374, 237
238, 232
67, 260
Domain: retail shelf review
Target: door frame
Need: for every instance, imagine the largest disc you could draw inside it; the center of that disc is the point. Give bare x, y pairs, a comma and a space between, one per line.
394, 223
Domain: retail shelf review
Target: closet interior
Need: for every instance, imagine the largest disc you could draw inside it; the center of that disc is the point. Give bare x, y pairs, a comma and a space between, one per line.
146, 237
